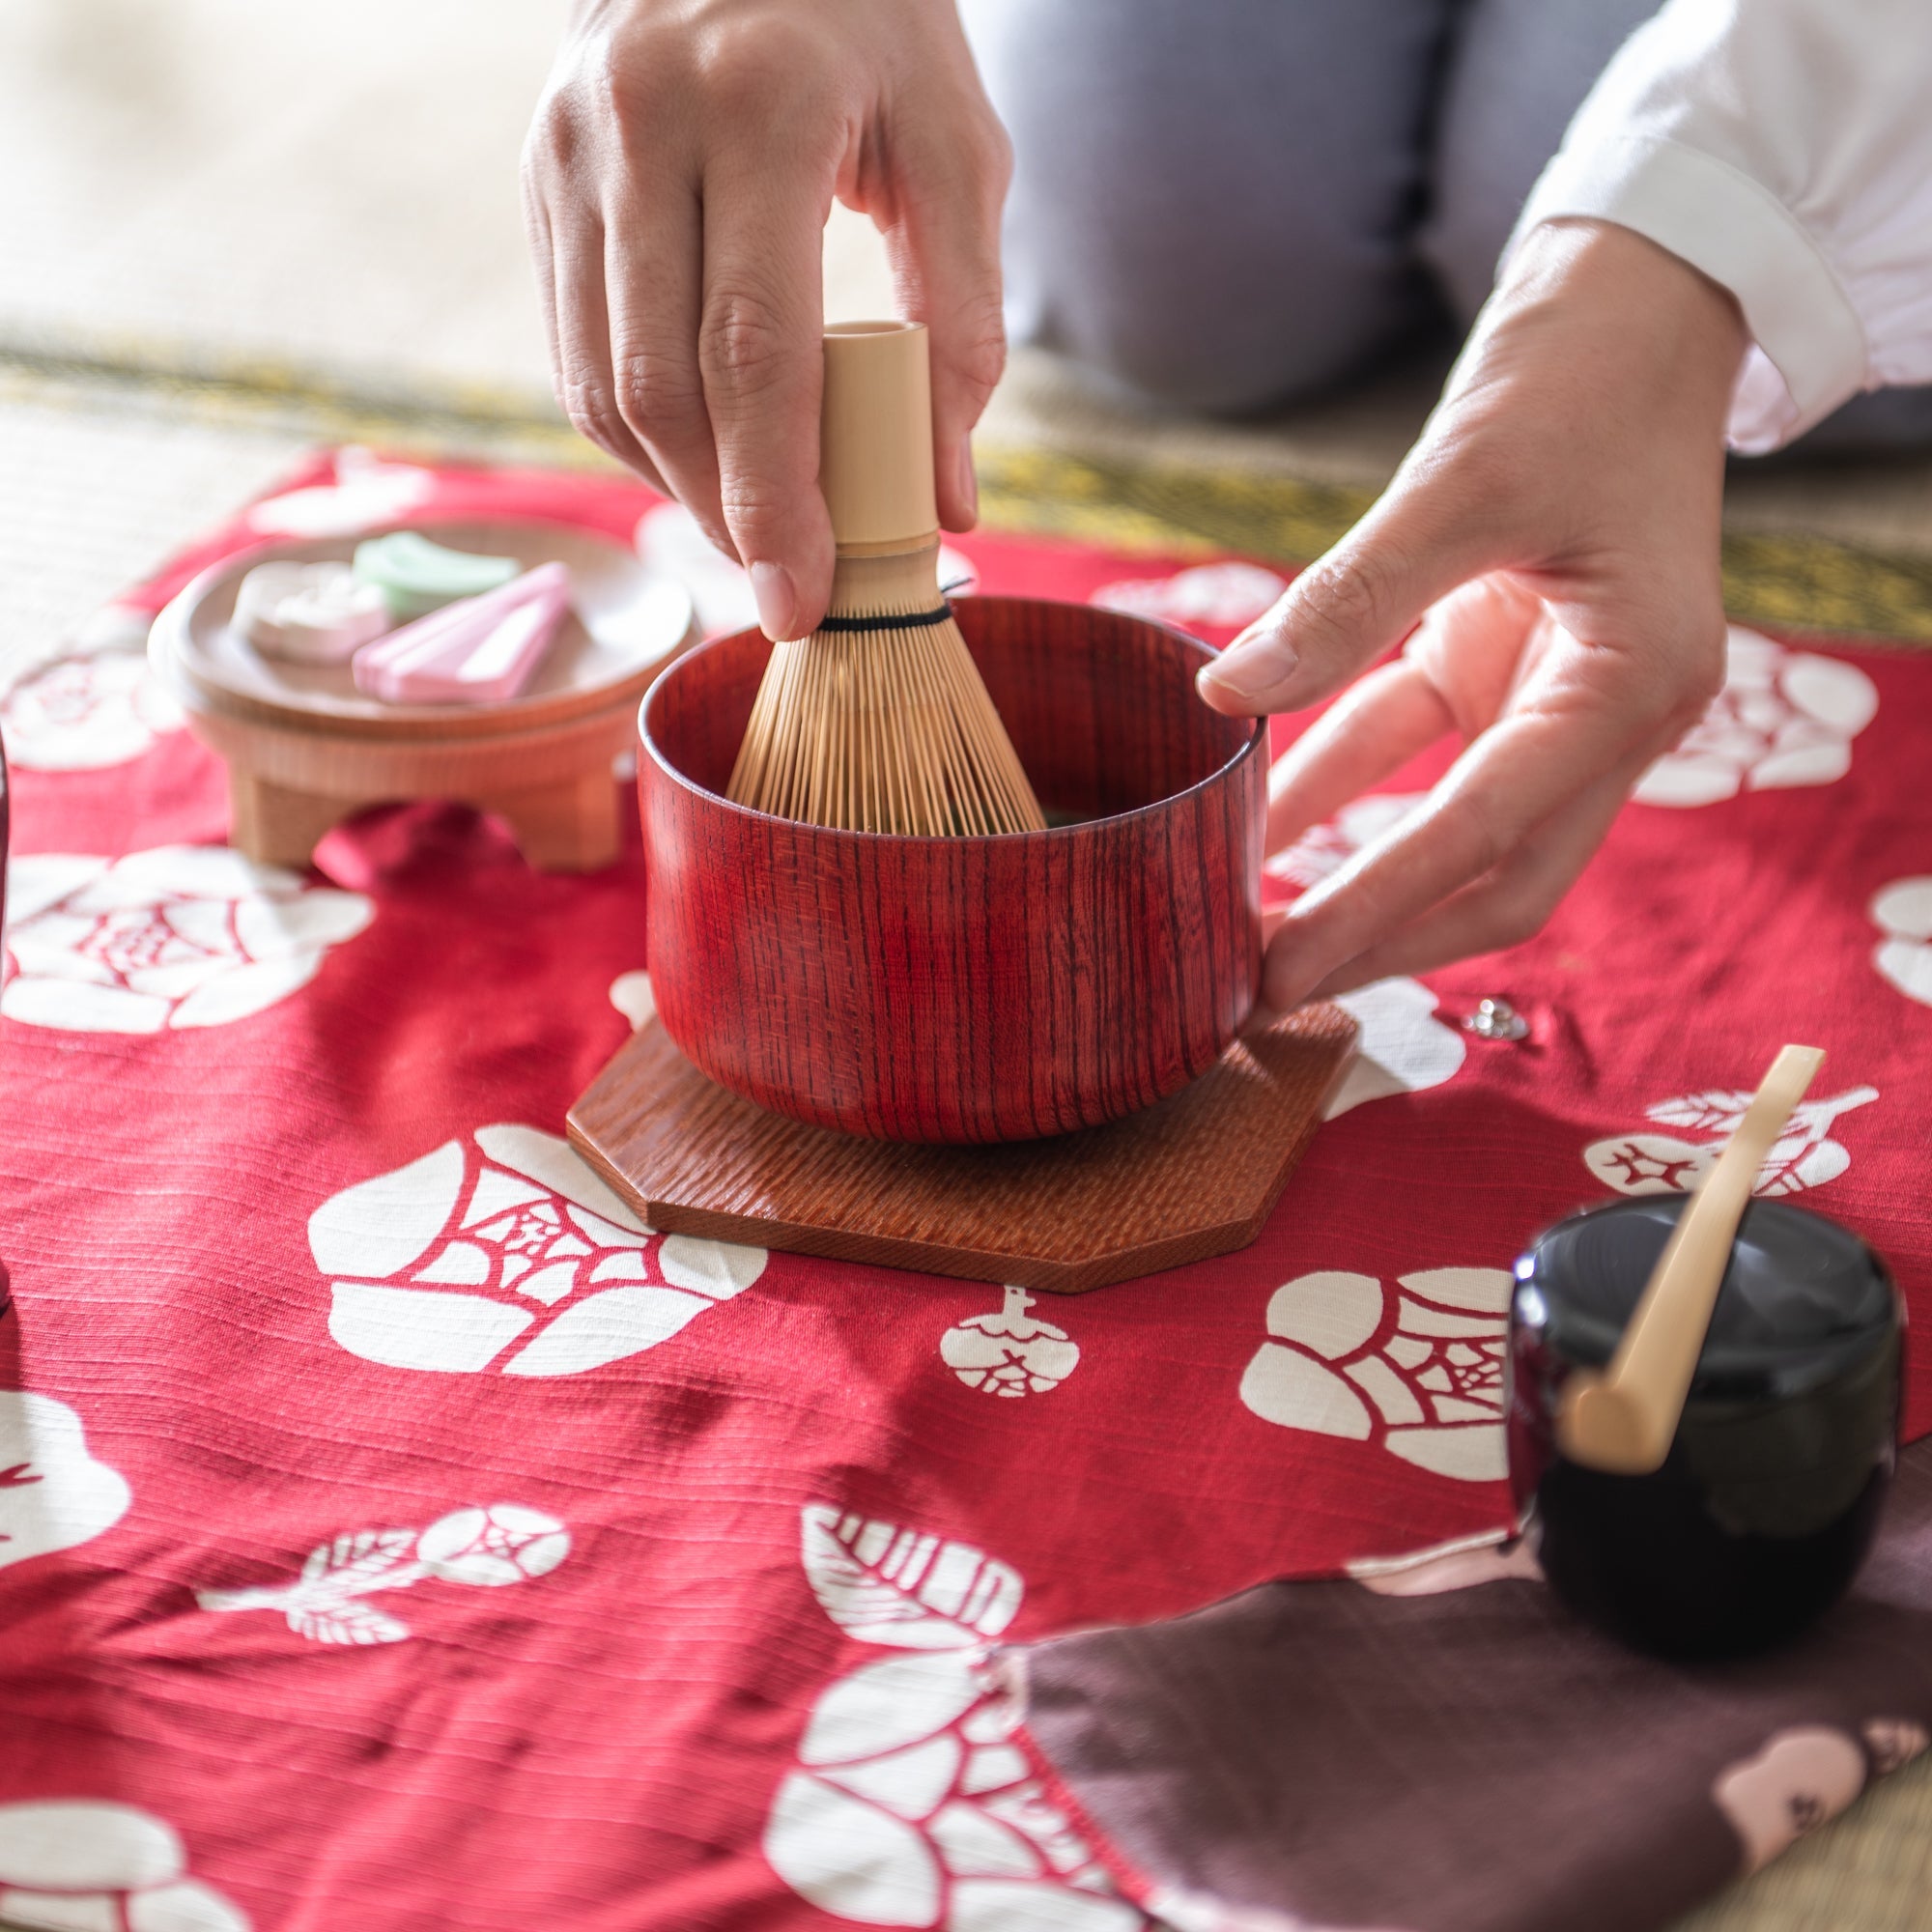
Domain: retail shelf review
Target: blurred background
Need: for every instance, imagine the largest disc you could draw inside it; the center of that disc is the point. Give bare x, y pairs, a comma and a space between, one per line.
230, 229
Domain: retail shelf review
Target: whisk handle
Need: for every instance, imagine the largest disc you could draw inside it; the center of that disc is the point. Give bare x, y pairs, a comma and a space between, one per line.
875, 436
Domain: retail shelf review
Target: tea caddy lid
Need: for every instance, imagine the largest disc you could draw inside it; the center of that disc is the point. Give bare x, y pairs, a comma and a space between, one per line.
1803, 1299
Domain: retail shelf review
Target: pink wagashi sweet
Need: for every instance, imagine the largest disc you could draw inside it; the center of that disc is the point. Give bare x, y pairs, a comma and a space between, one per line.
480, 651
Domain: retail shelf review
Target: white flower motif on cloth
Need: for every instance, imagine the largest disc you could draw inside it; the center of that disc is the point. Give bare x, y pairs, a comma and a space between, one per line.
1803, 1776
910, 1804
1226, 595
1784, 718
328, 1602
54, 1495
176, 936
630, 994
1903, 913
505, 1253
1489, 1556
71, 1864
1325, 849
1403, 1047
1010, 1353
1893, 1741
1805, 1157
1418, 1368
366, 491
670, 539
100, 705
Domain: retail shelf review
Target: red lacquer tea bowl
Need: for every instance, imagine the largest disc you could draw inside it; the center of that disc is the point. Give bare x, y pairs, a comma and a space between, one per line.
968, 989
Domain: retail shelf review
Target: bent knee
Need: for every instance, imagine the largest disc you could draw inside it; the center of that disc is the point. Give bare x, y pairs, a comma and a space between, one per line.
1208, 341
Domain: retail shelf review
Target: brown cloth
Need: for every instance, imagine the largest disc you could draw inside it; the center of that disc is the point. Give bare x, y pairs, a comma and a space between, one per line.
1441, 1746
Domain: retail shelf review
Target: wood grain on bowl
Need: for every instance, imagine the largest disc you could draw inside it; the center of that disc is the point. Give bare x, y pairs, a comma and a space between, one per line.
968, 989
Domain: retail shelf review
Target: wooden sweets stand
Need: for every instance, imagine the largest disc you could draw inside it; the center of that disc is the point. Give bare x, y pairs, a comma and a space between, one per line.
305, 750
1195, 1176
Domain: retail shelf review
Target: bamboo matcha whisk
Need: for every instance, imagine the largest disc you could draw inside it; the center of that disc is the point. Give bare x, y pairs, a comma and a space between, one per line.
878, 722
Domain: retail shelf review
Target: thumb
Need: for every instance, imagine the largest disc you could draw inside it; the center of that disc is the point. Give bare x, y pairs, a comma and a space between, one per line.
1415, 546
945, 254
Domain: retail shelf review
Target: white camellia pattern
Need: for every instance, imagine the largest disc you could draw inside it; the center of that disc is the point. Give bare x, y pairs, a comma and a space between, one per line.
910, 1804
366, 491
328, 1602
99, 705
53, 1492
1647, 1163
176, 936
1403, 1047
1784, 718
1418, 1368
74, 1865
505, 1254
1903, 913
1010, 1353
1220, 594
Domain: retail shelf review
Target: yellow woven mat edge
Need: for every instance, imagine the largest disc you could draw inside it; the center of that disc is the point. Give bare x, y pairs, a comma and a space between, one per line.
1791, 580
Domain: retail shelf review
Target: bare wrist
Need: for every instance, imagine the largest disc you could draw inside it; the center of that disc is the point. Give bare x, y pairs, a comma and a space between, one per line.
1629, 286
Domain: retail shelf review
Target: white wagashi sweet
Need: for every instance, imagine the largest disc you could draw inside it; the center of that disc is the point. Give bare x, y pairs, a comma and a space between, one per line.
309, 612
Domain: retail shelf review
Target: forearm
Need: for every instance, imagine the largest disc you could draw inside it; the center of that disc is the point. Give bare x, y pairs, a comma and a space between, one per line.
1783, 149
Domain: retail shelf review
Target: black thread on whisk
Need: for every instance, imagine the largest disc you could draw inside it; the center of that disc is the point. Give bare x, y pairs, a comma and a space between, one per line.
904, 620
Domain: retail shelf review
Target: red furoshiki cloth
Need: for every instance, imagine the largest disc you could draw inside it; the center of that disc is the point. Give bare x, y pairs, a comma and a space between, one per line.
393, 1532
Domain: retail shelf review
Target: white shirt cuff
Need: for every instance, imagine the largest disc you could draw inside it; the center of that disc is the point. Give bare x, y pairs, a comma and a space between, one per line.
1811, 352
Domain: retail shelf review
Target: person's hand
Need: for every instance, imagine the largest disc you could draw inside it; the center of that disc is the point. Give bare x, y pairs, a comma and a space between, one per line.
676, 182
1555, 530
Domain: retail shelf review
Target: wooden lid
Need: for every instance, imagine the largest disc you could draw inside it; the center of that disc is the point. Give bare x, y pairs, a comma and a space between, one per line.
876, 434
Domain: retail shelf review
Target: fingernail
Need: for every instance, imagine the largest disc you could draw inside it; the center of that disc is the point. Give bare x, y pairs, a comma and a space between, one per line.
1254, 665
776, 601
969, 481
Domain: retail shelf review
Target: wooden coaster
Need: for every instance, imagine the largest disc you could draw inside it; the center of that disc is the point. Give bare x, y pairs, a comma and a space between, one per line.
1196, 1176
305, 750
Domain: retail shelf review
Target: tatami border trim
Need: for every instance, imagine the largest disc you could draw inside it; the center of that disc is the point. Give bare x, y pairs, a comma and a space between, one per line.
1786, 581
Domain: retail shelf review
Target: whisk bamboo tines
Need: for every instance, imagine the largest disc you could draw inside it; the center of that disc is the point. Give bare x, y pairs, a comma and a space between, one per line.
879, 722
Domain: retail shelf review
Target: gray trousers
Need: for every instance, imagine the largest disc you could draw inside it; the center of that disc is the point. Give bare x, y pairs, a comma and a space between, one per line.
1230, 204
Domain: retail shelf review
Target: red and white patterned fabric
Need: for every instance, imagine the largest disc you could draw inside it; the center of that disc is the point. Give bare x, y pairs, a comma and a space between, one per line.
395, 1532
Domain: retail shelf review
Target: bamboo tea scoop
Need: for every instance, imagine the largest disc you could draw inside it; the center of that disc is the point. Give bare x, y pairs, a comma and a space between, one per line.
1624, 1420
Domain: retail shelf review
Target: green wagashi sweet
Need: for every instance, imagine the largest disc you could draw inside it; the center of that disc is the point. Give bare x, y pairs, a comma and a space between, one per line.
416, 576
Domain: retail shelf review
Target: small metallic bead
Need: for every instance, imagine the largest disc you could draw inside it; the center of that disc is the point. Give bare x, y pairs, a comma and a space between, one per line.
1495, 1019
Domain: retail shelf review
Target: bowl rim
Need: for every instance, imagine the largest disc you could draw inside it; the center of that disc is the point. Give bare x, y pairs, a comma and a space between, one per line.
1257, 742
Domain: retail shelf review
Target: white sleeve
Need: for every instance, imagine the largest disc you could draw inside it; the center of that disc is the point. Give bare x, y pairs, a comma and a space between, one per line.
1783, 147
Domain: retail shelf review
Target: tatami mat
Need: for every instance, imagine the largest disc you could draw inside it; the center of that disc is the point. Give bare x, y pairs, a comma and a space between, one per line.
92, 496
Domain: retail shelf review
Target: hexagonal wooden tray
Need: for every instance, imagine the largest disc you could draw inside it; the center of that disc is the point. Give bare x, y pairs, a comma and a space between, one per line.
1196, 1176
